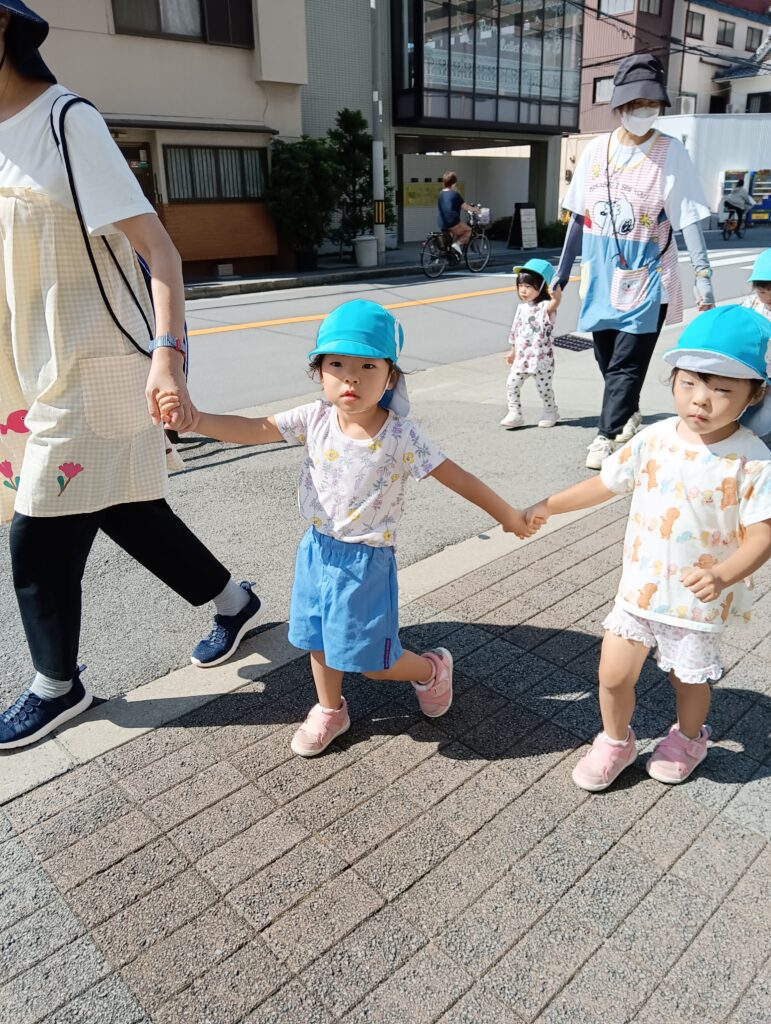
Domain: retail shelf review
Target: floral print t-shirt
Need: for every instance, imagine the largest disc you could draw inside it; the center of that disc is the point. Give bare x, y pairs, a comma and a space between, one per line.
690, 507
531, 334
350, 489
753, 302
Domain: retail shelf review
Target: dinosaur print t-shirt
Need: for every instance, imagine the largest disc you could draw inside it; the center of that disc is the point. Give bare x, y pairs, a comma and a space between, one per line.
690, 507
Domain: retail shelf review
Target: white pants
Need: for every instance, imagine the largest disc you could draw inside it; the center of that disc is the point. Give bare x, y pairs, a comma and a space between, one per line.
543, 381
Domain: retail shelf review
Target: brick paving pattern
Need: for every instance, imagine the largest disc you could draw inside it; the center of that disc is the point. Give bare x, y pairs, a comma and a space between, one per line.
445, 871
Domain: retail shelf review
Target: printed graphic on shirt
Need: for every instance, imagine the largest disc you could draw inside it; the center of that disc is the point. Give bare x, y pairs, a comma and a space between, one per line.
690, 508
531, 334
350, 489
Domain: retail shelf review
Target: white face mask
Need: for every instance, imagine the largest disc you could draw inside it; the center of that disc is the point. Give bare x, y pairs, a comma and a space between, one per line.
640, 121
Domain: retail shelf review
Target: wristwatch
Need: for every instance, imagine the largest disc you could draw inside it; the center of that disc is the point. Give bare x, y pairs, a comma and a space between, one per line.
168, 341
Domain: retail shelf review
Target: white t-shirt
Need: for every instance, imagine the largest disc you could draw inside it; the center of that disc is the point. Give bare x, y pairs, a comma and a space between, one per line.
354, 490
753, 302
684, 200
107, 188
690, 505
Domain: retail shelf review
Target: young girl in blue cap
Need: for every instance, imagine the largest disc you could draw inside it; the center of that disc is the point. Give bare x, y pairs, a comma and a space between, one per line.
360, 451
530, 346
699, 526
760, 279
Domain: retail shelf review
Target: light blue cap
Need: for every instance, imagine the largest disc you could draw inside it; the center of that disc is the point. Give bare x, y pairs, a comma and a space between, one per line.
542, 267
360, 328
367, 330
730, 341
761, 270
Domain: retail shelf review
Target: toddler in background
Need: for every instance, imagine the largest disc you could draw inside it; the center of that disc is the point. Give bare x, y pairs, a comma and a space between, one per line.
530, 342
760, 278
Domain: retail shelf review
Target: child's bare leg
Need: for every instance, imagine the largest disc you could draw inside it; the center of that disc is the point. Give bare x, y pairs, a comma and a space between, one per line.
621, 662
692, 701
329, 682
409, 668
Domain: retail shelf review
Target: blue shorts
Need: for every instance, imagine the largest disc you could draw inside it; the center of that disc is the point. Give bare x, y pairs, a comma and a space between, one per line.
345, 602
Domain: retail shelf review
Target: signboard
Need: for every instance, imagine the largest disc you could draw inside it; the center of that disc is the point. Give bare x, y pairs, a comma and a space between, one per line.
423, 193
523, 232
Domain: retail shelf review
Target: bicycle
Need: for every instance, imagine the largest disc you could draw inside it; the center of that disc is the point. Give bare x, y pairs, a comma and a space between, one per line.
734, 224
438, 254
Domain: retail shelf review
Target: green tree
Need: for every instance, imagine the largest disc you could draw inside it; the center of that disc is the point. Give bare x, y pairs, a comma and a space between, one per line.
351, 146
303, 191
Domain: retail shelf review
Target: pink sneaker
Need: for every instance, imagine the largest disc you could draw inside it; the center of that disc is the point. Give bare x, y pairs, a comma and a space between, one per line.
435, 698
319, 729
604, 763
674, 758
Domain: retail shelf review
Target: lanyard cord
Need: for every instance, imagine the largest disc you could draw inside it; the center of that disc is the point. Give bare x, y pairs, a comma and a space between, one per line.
621, 260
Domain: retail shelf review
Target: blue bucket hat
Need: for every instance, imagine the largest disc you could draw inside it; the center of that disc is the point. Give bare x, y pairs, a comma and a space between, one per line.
367, 330
23, 38
730, 341
542, 267
761, 269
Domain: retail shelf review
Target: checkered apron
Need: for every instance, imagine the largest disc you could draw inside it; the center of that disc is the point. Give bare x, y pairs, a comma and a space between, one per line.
75, 433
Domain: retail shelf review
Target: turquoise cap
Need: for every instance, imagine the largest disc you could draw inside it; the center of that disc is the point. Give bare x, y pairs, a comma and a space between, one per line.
761, 270
542, 267
730, 341
360, 328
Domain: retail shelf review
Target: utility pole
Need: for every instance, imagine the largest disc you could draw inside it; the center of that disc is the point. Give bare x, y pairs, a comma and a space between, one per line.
378, 178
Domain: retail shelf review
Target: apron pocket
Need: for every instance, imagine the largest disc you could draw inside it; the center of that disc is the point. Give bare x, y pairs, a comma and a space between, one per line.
628, 287
114, 395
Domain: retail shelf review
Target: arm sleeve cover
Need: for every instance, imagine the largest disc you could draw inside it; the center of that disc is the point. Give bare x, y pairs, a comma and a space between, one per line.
571, 248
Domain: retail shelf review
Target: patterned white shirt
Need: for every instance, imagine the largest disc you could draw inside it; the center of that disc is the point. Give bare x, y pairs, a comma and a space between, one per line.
353, 489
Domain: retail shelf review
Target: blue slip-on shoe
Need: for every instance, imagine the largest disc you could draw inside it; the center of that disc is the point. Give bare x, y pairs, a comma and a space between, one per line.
31, 717
228, 632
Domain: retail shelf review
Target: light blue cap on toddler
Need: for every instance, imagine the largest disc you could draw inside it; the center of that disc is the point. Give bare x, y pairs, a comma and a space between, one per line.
541, 267
367, 330
730, 341
761, 269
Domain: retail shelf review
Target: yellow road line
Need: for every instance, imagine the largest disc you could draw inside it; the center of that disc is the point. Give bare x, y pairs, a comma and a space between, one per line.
320, 316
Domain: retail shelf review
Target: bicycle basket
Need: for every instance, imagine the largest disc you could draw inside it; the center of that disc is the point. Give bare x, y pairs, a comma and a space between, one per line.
484, 216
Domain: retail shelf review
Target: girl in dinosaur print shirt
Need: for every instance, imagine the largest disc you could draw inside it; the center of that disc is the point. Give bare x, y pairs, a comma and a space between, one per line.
699, 526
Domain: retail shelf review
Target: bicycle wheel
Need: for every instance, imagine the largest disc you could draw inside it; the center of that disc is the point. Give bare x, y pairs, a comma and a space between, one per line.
477, 253
726, 234
433, 258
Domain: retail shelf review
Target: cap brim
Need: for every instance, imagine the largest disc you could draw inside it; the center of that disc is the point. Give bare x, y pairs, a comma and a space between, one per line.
703, 361
630, 91
347, 348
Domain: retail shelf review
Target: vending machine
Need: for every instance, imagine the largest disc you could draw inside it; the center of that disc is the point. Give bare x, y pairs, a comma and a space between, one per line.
760, 190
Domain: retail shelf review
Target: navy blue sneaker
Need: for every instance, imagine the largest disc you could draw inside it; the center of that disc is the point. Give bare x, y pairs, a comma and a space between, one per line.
31, 718
228, 632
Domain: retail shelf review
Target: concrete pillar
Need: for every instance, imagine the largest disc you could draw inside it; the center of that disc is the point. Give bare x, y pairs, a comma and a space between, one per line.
544, 177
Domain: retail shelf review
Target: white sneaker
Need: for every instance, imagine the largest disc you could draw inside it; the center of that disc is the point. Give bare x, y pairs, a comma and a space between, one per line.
632, 426
549, 418
599, 450
513, 418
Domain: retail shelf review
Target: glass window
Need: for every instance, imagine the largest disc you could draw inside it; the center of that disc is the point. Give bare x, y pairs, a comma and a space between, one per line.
725, 32
754, 38
651, 7
509, 44
436, 44
759, 103
486, 58
532, 49
571, 54
551, 80
462, 30
694, 25
616, 6
211, 174
404, 52
603, 87
228, 22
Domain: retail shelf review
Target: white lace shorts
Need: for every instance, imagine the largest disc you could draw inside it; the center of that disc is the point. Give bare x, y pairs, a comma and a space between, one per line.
692, 654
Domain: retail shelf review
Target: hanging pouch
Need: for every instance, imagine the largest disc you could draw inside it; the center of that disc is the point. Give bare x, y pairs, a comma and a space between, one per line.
628, 288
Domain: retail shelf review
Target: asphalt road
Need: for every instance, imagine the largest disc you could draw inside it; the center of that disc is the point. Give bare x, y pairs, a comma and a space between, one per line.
242, 501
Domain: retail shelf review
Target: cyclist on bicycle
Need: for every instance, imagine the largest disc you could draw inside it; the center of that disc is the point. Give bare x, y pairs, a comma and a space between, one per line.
450, 204
738, 201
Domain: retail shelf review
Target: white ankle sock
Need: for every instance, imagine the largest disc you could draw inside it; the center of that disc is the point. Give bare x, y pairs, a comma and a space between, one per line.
616, 743
48, 688
232, 599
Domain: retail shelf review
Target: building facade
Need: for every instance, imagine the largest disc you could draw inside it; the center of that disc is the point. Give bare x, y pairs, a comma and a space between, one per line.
193, 91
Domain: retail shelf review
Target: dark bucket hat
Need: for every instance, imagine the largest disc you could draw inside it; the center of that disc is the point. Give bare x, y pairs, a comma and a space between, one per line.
25, 33
639, 77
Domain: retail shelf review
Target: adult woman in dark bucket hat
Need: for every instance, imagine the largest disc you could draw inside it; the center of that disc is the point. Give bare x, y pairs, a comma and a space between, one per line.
81, 446
630, 191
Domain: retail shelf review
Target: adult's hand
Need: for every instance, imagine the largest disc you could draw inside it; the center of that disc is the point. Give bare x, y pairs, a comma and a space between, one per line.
167, 374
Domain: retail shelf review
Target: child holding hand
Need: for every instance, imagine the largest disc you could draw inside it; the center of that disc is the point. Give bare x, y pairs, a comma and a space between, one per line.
360, 452
699, 526
530, 342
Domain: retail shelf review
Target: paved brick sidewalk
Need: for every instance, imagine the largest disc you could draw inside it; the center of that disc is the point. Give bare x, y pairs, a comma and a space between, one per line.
419, 871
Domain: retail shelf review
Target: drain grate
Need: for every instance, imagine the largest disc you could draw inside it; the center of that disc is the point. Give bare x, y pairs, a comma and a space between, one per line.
573, 343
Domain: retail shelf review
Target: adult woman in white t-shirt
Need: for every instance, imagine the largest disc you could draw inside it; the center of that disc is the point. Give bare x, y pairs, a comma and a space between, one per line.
630, 191
81, 446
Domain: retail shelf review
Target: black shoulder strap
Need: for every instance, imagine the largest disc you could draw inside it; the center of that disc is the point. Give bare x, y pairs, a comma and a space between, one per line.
61, 144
